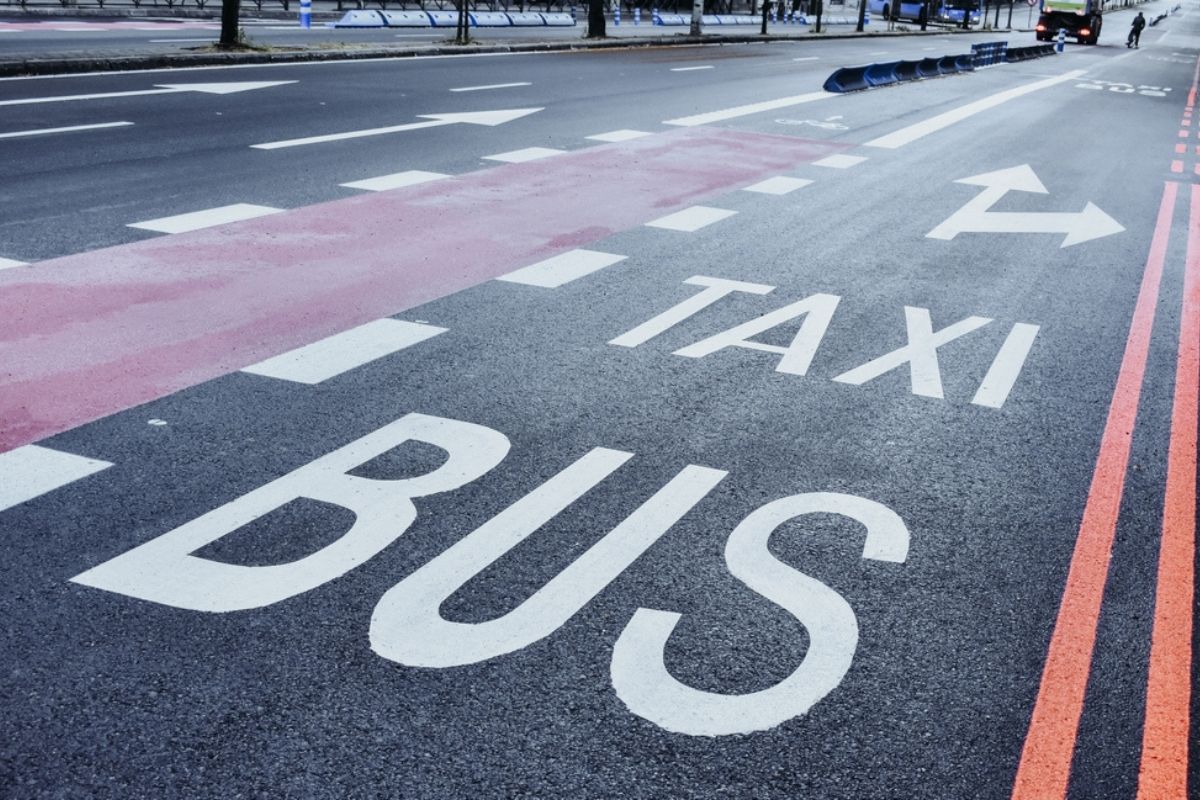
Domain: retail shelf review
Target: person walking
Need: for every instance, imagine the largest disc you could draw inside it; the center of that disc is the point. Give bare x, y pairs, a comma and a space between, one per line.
1135, 31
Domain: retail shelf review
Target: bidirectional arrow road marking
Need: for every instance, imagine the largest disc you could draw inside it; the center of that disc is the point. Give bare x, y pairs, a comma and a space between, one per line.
976, 216
168, 88
490, 118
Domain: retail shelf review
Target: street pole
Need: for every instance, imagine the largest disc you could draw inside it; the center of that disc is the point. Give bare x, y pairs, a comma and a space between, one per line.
460, 30
697, 13
862, 12
766, 7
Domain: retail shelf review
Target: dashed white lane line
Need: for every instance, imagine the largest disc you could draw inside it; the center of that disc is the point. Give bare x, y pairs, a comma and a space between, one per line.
806, 58
490, 86
839, 161
207, 218
526, 154
934, 124
563, 268
691, 219
781, 184
751, 108
623, 135
690, 69
68, 129
32, 471
396, 180
169, 41
879, 53
9, 263
344, 351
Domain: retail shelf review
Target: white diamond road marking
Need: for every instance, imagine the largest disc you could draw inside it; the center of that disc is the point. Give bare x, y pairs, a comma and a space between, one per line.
563, 268
396, 180
780, 184
9, 263
839, 161
623, 135
32, 471
195, 220
691, 219
344, 351
527, 154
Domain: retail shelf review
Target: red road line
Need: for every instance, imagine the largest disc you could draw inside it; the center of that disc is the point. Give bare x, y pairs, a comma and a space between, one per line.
1045, 765
1164, 766
86, 336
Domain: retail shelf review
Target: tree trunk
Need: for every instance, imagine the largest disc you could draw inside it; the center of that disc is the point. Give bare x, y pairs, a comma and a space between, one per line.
229, 22
596, 23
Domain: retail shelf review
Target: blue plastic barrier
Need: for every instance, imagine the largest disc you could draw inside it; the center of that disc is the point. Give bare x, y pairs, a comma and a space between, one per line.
558, 19
443, 19
490, 19
406, 19
848, 79
881, 74
989, 53
527, 19
363, 18
907, 70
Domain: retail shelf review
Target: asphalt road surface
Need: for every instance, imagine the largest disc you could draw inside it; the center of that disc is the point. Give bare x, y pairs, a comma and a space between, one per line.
643, 424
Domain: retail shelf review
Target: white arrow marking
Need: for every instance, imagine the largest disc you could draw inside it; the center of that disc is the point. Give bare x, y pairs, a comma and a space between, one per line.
975, 216
171, 88
490, 118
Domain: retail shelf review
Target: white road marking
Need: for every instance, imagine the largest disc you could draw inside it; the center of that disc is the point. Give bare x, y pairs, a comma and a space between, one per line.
839, 161
716, 288
523, 155
806, 58
885, 52
207, 218
623, 135
169, 41
934, 124
563, 268
752, 108
1002, 375
396, 180
691, 219
490, 86
781, 184
488, 118
9, 263
690, 69
344, 351
32, 471
44, 131
174, 88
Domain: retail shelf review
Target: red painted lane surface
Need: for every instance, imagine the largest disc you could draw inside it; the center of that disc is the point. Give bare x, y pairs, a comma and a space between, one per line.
88, 335
1045, 765
1164, 768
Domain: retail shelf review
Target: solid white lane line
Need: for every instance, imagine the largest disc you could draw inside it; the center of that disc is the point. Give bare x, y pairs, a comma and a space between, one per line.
344, 351
623, 135
490, 86
526, 154
839, 161
691, 219
752, 108
9, 263
690, 69
563, 268
68, 129
195, 220
910, 134
32, 471
396, 180
781, 184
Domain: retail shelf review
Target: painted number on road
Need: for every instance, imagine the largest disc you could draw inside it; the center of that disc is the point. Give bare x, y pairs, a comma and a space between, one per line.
1124, 88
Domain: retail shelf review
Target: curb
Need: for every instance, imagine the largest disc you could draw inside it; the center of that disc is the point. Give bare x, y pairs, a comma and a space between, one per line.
67, 64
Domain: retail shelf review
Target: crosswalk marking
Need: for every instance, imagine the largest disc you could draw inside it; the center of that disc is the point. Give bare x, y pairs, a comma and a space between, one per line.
344, 351
563, 268
195, 220
32, 471
396, 180
623, 135
781, 184
691, 219
839, 161
526, 154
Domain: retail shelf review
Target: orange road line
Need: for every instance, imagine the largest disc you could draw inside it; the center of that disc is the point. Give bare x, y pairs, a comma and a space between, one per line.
1164, 769
1045, 765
